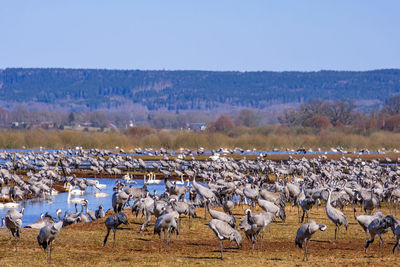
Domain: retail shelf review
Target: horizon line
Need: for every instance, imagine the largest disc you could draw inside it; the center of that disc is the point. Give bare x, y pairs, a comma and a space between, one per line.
199, 70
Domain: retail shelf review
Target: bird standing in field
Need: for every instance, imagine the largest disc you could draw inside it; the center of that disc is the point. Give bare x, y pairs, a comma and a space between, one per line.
378, 226
365, 220
304, 234
13, 222
167, 223
48, 234
112, 222
335, 215
224, 231
253, 225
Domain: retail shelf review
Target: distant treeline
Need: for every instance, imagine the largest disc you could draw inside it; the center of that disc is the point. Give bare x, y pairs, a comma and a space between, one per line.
90, 89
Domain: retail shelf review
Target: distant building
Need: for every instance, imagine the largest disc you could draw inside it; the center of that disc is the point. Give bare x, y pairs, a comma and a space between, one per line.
18, 125
196, 127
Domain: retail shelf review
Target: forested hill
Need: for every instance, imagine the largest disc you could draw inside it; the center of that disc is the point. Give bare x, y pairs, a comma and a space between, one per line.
90, 89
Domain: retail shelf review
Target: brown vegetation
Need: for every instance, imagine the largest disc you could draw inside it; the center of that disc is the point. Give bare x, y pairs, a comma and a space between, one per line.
261, 138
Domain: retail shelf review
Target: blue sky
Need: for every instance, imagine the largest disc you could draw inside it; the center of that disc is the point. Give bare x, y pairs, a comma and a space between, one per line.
249, 35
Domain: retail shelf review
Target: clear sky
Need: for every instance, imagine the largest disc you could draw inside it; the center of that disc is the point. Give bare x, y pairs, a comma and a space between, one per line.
240, 35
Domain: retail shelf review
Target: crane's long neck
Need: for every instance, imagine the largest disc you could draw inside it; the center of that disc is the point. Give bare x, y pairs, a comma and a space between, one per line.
59, 216
328, 202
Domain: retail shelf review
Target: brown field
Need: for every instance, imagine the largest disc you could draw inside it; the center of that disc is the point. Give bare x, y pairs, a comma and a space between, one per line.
81, 245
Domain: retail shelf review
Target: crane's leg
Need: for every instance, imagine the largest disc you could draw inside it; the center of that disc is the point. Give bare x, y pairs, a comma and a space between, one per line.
159, 246
205, 212
47, 253
222, 255
114, 230
369, 242
51, 249
144, 225
302, 217
189, 221
305, 250
168, 239
380, 241
397, 243
105, 239
335, 231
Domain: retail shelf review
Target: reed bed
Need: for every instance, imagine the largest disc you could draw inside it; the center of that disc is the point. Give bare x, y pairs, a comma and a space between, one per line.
261, 138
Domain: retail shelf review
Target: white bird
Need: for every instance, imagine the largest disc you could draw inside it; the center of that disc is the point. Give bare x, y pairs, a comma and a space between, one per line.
100, 194
75, 192
152, 179
99, 185
305, 232
11, 205
74, 200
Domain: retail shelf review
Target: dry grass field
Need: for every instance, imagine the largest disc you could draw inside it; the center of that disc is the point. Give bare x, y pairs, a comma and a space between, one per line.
81, 245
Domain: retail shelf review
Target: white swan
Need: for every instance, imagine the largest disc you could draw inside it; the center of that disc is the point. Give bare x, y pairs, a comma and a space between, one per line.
100, 194
128, 179
181, 182
152, 179
99, 185
74, 192
74, 200
10, 205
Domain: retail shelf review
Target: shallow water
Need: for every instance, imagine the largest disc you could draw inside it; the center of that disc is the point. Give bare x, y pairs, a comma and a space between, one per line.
34, 207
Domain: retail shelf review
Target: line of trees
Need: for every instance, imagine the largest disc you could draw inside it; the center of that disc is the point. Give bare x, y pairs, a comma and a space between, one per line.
322, 114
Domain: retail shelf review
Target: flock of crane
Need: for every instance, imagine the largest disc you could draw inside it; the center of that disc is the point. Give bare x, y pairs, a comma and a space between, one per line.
227, 183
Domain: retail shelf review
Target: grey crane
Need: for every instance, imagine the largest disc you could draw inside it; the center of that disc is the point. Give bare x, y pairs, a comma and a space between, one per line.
184, 208
89, 213
335, 215
119, 199
378, 227
99, 213
112, 223
228, 206
166, 223
395, 225
253, 225
304, 234
224, 231
13, 223
48, 234
365, 220
268, 206
229, 219
45, 219
204, 192
306, 205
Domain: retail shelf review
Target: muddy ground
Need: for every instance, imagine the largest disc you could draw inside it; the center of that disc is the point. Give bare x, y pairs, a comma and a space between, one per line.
82, 245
